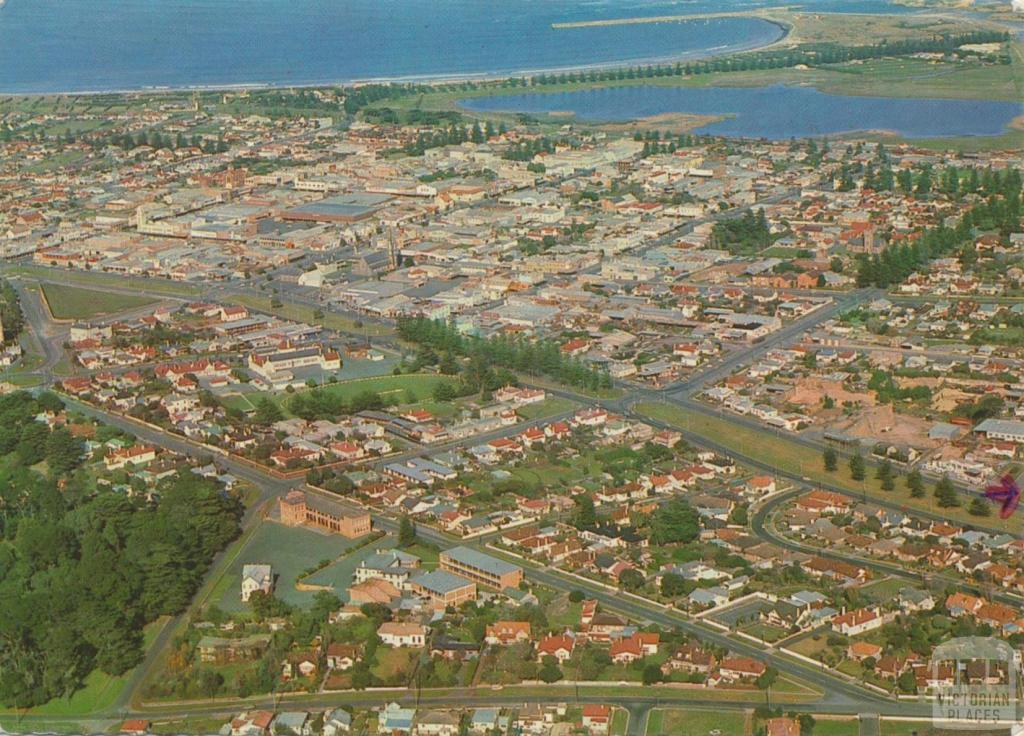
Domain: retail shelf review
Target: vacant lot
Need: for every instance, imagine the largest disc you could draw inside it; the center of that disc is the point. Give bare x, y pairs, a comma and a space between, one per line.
72, 302
694, 722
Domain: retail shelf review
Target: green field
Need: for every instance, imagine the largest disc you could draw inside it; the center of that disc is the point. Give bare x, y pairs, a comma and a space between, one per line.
94, 280
837, 727
801, 461
72, 302
620, 721
417, 386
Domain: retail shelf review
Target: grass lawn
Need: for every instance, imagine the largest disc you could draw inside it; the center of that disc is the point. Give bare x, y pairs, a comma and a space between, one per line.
694, 722
883, 590
22, 380
189, 725
302, 313
428, 555
563, 613
810, 646
91, 279
542, 382
849, 667
802, 461
549, 407
418, 386
924, 728
620, 720
237, 401
765, 632
837, 727
393, 663
72, 302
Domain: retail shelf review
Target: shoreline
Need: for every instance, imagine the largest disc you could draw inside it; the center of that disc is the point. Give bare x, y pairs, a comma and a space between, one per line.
432, 79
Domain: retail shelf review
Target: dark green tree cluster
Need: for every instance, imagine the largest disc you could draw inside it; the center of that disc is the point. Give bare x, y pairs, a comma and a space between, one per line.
526, 150
945, 494
324, 404
453, 135
674, 522
10, 312
82, 572
534, 357
896, 262
743, 235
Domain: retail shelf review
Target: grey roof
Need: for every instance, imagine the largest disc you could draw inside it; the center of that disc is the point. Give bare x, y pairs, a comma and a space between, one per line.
441, 582
480, 561
259, 573
1002, 426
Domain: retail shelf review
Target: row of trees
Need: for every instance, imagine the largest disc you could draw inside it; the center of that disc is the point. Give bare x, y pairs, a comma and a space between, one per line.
808, 55
945, 492
453, 135
526, 150
534, 357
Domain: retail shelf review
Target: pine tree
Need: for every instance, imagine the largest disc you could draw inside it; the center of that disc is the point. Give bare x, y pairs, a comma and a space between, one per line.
945, 494
830, 459
885, 475
979, 507
915, 484
857, 467
406, 533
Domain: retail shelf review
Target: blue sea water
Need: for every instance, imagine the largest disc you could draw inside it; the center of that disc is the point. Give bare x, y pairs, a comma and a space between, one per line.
774, 112
93, 45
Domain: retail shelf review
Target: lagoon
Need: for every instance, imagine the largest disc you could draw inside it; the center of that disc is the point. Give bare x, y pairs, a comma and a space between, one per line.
775, 112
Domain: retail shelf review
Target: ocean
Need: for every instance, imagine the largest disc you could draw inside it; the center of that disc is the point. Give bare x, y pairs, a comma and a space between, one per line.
106, 45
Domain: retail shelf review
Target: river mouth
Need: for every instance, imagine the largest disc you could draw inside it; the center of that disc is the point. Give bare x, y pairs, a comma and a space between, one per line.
776, 112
